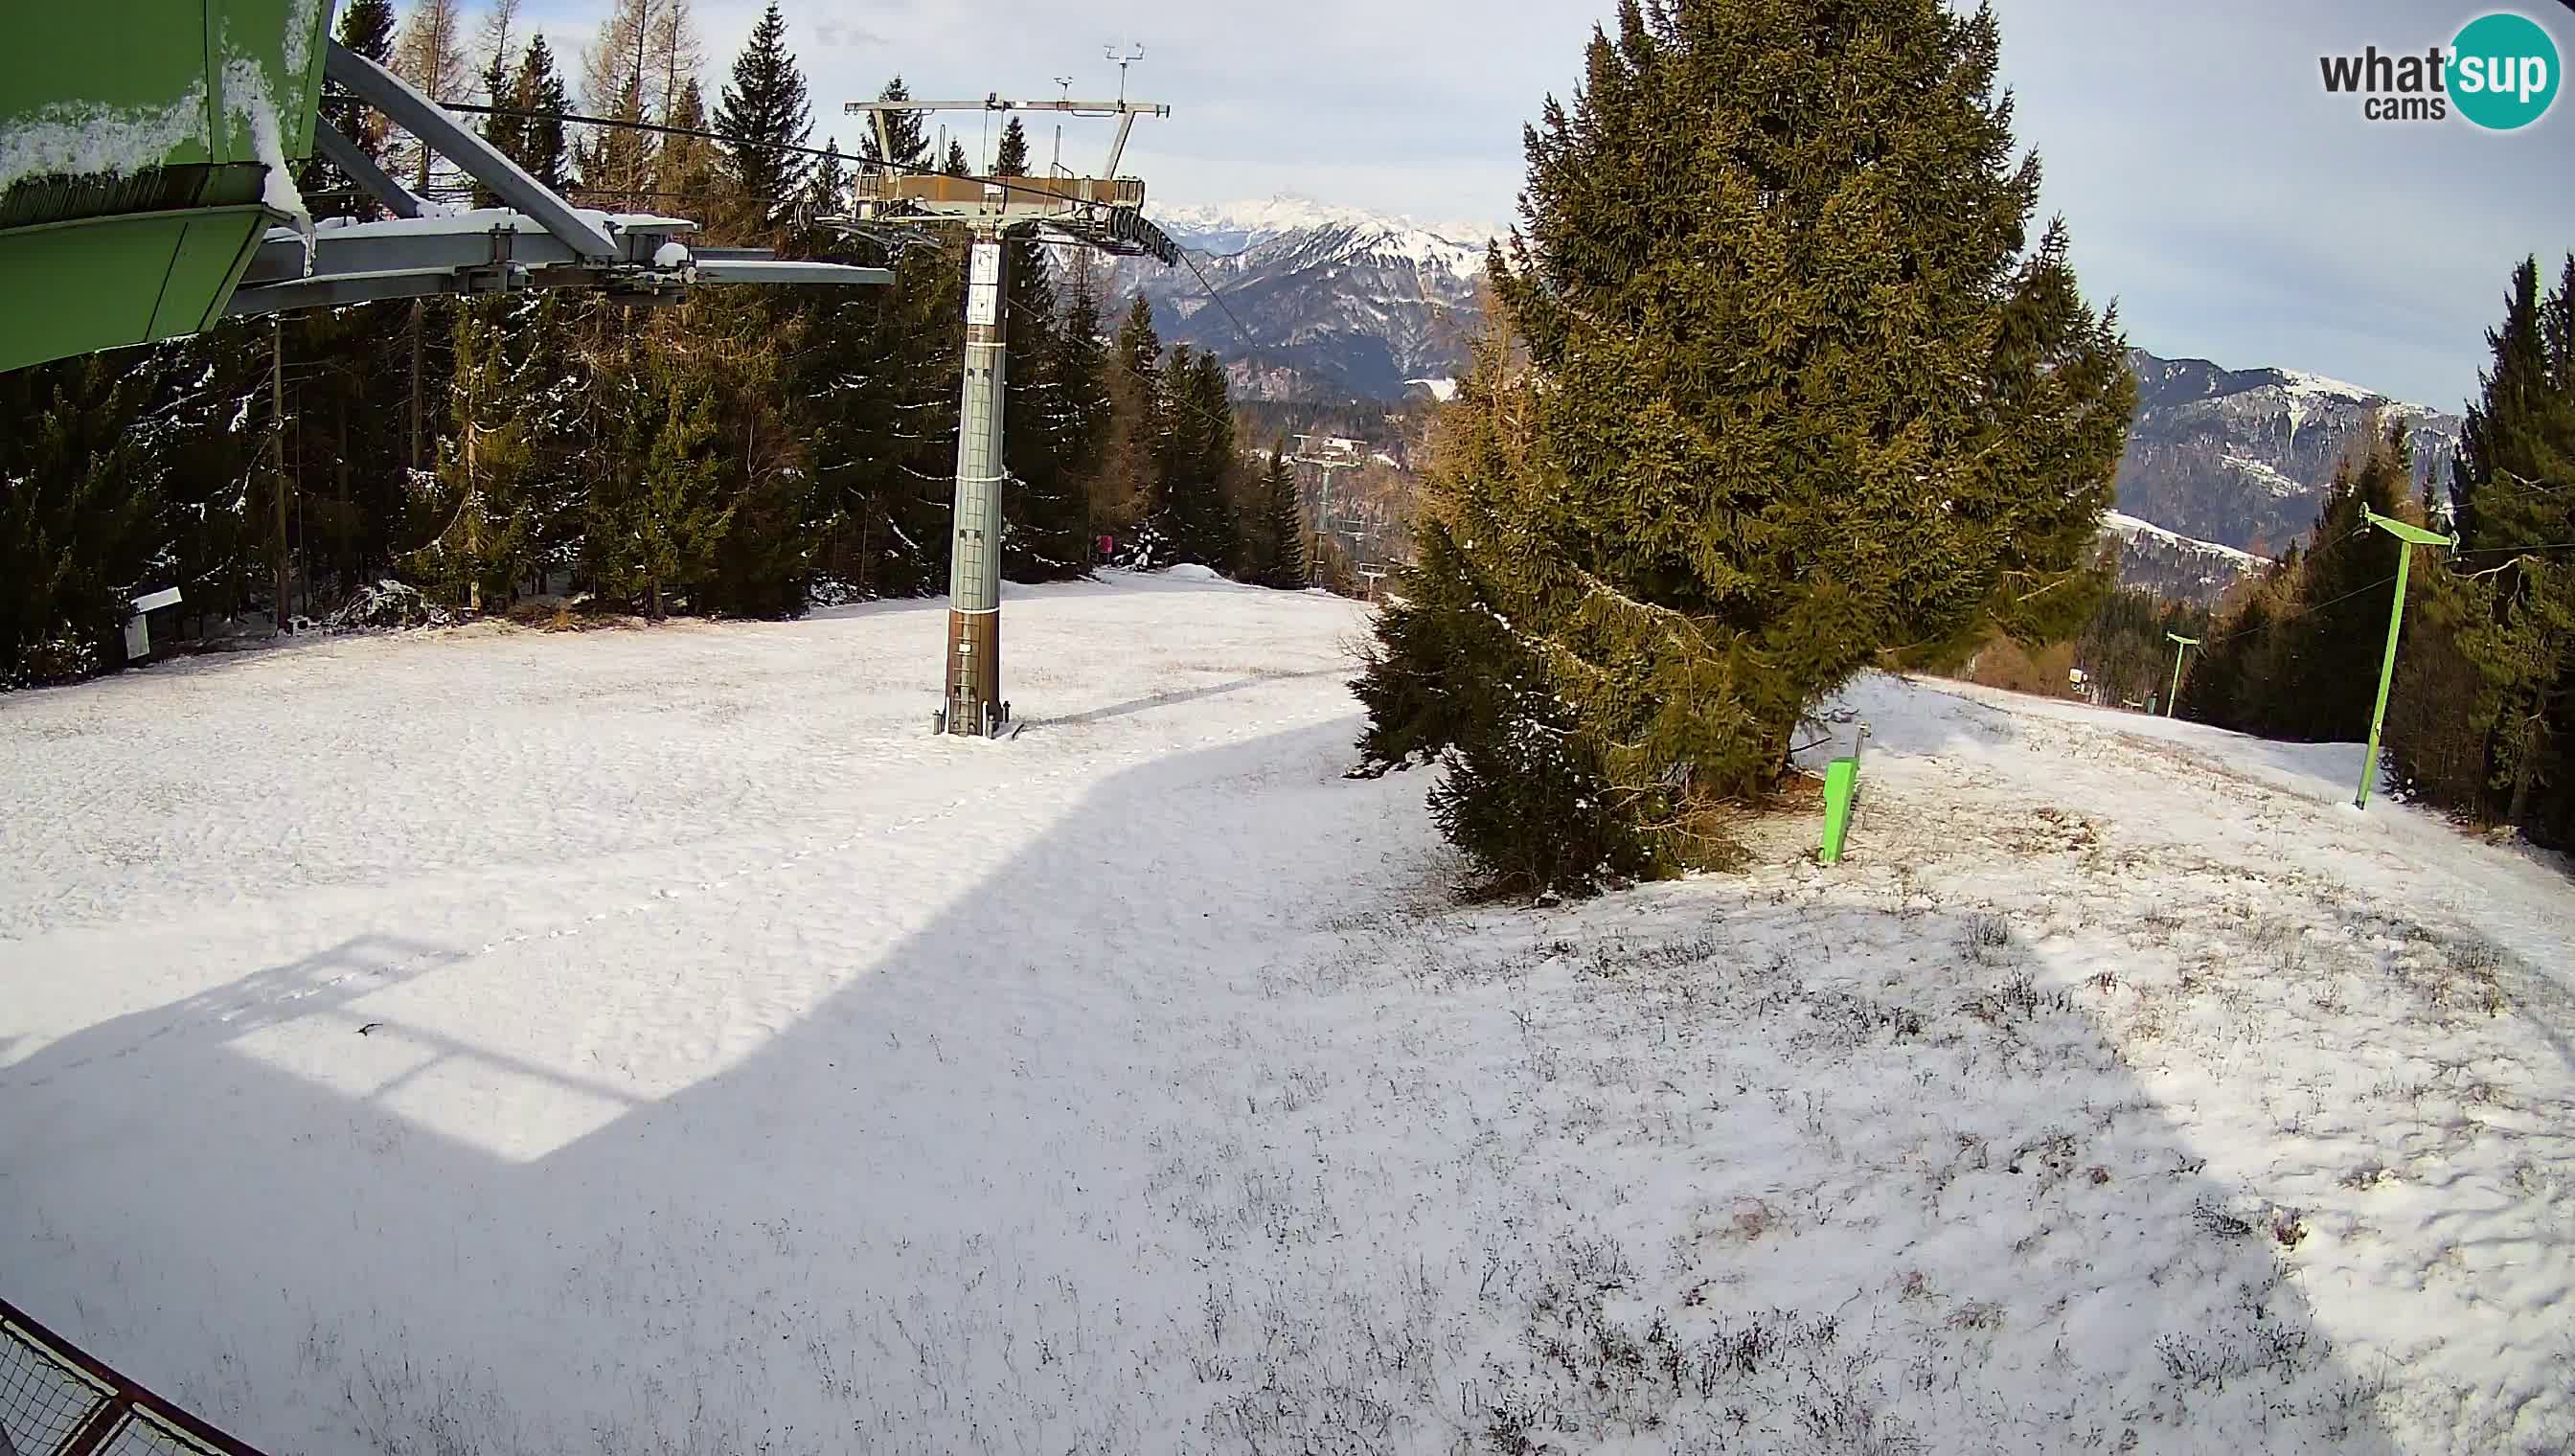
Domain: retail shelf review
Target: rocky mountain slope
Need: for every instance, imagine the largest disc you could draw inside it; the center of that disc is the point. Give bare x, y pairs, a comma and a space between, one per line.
1326, 302
2241, 458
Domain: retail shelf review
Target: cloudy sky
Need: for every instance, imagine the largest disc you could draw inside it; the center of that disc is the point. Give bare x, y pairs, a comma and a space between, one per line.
2235, 211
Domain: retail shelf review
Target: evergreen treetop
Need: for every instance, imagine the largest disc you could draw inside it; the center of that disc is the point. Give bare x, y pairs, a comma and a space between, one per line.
905, 130
762, 113
540, 88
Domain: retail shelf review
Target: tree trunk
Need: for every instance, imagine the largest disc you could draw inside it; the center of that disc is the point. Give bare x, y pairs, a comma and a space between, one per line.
277, 456
417, 313
2519, 811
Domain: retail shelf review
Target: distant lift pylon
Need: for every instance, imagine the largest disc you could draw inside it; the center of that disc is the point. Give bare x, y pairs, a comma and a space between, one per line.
1105, 213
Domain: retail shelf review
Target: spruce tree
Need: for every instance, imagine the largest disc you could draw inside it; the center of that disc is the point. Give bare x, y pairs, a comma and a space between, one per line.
1123, 486
762, 114
80, 513
825, 194
1219, 514
1044, 511
2336, 643
1081, 370
487, 544
904, 129
507, 133
366, 27
740, 340
1787, 392
956, 165
540, 88
2514, 485
656, 534
1283, 521
685, 176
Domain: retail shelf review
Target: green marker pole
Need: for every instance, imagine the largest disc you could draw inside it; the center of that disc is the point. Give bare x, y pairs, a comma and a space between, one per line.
2410, 537
2173, 702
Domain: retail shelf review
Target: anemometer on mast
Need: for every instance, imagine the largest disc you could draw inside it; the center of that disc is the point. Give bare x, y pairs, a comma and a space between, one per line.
1104, 213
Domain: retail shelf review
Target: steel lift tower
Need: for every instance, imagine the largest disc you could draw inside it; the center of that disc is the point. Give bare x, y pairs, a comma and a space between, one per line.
1104, 212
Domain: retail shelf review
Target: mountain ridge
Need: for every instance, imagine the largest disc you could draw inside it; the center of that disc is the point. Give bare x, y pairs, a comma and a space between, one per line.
1323, 302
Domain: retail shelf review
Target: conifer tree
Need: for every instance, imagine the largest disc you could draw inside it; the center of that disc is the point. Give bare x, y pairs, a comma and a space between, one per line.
2514, 485
904, 129
1798, 396
956, 165
825, 194
540, 88
1123, 484
1044, 511
656, 535
487, 544
762, 112
1079, 369
80, 513
685, 175
506, 133
2328, 683
366, 27
1283, 526
739, 341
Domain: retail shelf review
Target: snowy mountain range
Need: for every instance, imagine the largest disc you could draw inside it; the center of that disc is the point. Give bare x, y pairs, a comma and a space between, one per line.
2242, 457
1325, 302
1320, 302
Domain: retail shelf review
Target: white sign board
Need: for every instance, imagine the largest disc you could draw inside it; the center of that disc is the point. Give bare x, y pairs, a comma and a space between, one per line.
983, 286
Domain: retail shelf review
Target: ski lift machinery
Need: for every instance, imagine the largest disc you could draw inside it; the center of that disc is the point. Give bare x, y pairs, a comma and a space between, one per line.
146, 154
1104, 213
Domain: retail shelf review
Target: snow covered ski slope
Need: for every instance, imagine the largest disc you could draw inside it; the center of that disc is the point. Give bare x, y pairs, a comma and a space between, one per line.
657, 1041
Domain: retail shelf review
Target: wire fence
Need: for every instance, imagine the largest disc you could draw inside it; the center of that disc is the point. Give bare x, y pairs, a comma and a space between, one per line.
56, 1400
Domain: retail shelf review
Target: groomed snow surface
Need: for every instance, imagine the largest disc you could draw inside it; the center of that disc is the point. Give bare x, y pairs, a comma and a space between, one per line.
653, 1040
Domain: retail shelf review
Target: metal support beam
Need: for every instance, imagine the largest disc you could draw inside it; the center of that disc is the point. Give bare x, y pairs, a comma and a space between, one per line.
445, 135
997, 103
784, 271
1118, 148
346, 154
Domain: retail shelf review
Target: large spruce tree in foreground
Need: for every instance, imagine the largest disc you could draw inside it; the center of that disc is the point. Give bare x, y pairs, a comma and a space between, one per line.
1784, 390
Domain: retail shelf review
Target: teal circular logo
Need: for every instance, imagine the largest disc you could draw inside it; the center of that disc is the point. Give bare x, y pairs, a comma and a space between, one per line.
2502, 72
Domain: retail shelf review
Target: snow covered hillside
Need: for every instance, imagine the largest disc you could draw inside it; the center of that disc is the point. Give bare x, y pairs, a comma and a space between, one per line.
656, 1042
2175, 566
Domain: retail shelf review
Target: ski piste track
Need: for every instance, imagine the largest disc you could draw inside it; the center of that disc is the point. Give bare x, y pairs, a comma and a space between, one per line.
510, 1038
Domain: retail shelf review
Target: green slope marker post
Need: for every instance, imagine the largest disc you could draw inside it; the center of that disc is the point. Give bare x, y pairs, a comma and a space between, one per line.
2410, 537
2186, 643
1841, 786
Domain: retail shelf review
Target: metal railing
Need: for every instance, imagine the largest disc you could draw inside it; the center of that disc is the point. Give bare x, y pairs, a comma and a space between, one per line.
56, 1400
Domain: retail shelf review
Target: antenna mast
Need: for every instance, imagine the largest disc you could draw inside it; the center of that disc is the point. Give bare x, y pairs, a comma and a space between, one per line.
1064, 84
1131, 57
